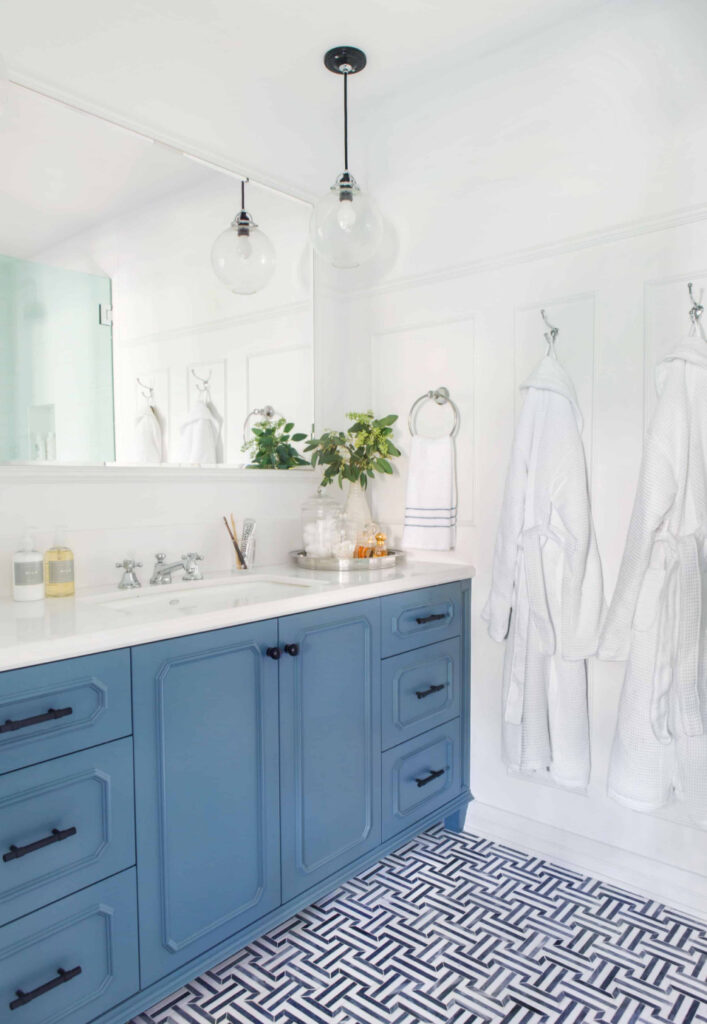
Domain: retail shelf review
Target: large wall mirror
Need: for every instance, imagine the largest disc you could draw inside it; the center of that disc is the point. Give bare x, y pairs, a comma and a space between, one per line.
110, 310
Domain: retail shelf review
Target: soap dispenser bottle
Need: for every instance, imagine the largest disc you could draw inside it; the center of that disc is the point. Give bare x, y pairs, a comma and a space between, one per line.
28, 572
59, 568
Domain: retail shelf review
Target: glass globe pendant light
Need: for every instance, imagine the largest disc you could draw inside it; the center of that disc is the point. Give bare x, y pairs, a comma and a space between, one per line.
242, 256
346, 227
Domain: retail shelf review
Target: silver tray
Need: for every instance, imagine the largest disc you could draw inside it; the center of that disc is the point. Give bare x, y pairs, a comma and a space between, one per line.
331, 563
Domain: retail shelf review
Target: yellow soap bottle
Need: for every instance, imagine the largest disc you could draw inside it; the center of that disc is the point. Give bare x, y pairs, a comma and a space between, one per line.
59, 569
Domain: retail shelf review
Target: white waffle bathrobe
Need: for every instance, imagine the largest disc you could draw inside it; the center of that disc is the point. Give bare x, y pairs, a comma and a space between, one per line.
547, 594
656, 618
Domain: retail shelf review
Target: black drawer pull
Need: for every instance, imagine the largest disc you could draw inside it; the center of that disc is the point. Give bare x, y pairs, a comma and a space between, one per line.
15, 852
48, 716
26, 997
430, 618
274, 653
430, 689
431, 777
292, 649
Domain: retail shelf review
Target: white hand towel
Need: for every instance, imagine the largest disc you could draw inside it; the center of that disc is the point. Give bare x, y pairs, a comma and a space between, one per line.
431, 499
148, 436
200, 435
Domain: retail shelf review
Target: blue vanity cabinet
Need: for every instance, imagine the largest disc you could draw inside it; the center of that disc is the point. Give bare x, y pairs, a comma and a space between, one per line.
330, 710
162, 806
205, 717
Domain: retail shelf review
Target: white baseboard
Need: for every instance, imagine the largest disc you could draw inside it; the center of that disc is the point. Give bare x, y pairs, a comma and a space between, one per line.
683, 890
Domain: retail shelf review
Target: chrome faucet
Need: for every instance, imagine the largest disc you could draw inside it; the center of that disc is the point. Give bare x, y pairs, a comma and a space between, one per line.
162, 572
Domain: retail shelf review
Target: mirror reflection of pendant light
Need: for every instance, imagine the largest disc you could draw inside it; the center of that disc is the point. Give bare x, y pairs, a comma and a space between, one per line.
242, 256
346, 227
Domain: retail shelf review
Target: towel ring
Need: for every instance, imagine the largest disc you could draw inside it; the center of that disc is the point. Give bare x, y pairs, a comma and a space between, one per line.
266, 413
441, 397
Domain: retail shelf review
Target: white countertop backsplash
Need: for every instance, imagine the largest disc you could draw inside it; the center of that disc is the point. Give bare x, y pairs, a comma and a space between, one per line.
33, 633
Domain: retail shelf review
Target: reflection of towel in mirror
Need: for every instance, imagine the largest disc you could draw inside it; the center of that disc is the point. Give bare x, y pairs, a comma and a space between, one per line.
431, 498
200, 432
148, 436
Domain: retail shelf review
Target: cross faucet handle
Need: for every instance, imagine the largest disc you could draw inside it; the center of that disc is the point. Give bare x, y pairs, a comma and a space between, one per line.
191, 569
129, 580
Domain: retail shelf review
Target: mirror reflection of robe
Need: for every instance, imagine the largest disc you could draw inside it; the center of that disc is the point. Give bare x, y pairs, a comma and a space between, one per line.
200, 434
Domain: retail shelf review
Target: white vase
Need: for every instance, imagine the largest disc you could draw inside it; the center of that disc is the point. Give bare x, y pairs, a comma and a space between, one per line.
358, 511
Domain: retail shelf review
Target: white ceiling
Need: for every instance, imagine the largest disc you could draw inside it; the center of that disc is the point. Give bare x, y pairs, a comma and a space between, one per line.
244, 81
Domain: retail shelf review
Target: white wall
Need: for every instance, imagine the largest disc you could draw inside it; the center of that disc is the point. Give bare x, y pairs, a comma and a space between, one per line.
566, 174
113, 513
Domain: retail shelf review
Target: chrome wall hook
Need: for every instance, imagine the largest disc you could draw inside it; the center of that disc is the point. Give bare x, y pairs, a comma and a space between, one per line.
697, 308
550, 334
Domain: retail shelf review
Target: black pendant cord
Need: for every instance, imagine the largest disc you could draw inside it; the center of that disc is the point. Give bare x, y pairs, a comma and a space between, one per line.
243, 194
346, 121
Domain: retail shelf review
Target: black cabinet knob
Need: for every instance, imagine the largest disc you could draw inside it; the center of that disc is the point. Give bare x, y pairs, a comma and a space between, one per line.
274, 653
292, 649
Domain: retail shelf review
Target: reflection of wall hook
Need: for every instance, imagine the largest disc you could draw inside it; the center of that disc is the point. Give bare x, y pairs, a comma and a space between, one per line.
147, 391
202, 383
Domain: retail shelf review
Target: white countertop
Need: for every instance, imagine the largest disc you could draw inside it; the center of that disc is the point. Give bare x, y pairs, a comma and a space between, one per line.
35, 632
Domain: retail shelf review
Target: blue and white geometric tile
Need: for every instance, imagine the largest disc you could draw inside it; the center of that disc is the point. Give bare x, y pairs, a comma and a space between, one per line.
455, 929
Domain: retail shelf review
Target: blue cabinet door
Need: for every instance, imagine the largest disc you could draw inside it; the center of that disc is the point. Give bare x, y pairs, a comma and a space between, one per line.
330, 741
205, 712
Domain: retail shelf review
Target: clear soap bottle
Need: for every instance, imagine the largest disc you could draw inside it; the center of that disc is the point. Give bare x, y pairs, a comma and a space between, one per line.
28, 572
59, 568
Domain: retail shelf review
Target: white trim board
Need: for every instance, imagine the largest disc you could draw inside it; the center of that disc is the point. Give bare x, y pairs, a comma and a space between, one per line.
683, 890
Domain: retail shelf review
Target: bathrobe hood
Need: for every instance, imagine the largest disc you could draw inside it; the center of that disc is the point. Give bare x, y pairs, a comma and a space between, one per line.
550, 375
692, 350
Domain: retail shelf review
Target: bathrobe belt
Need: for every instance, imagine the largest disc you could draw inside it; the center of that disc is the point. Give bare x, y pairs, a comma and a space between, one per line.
677, 658
538, 610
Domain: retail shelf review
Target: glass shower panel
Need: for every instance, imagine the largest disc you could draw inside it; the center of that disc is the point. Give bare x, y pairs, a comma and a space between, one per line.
56, 365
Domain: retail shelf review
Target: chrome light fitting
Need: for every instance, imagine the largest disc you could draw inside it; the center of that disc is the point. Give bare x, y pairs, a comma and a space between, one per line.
243, 256
346, 227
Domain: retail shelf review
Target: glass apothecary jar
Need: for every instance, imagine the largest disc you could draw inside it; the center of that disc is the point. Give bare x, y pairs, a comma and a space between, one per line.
321, 525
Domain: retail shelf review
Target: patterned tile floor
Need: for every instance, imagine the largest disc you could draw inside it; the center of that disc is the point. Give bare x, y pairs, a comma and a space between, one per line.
454, 929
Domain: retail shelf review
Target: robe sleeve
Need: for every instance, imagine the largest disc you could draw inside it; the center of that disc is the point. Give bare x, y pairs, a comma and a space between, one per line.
655, 495
497, 611
583, 604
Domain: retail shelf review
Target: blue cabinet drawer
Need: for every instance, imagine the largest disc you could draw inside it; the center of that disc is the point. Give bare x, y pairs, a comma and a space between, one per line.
421, 689
73, 960
420, 775
54, 709
65, 824
420, 617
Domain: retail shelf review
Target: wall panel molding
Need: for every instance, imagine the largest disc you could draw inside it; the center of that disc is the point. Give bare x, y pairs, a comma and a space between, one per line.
564, 246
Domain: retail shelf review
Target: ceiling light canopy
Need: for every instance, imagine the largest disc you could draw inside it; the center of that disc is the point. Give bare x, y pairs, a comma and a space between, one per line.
346, 227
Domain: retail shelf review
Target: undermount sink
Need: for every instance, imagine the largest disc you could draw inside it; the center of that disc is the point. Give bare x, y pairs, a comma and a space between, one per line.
204, 596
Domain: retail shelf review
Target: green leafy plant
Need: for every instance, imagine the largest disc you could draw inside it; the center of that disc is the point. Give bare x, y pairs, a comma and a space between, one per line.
271, 446
358, 453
